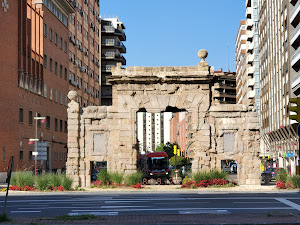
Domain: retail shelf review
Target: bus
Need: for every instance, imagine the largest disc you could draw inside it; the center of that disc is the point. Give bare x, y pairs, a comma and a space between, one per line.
154, 165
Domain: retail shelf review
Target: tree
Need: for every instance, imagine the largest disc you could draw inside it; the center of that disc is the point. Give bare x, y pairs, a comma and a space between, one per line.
167, 148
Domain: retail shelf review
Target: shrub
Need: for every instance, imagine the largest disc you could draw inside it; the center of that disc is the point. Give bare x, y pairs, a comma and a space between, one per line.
280, 184
97, 183
117, 177
22, 178
133, 179
104, 176
138, 185
43, 182
294, 181
66, 182
207, 175
55, 179
281, 176
180, 161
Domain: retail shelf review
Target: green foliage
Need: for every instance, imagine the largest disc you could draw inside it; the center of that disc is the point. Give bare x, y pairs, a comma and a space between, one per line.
4, 218
185, 180
167, 148
76, 217
22, 179
103, 176
281, 176
294, 180
43, 182
212, 174
55, 179
66, 182
133, 179
117, 177
180, 161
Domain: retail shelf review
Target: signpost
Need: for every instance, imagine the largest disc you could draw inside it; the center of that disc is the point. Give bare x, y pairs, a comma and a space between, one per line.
9, 171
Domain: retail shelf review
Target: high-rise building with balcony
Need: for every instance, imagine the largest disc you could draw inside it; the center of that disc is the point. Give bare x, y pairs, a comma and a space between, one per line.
294, 8
34, 69
112, 50
277, 132
84, 51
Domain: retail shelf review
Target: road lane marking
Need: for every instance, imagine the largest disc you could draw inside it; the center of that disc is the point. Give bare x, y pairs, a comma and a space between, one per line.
123, 206
258, 202
25, 211
96, 214
205, 212
107, 202
289, 203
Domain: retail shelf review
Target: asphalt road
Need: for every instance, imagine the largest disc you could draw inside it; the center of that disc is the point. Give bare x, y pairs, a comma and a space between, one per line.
151, 204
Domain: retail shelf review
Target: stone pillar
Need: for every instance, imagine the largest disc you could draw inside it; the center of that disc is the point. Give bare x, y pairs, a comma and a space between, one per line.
73, 139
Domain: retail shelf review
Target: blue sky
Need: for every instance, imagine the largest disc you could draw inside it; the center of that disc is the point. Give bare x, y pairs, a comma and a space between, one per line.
170, 32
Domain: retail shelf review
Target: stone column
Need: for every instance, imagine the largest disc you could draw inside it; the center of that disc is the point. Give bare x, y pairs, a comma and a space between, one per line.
73, 139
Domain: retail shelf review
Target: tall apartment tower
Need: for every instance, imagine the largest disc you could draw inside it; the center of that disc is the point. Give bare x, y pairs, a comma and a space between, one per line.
34, 67
240, 52
275, 79
294, 8
112, 50
84, 51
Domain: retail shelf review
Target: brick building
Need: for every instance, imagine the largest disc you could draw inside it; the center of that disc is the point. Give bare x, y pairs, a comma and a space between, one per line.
179, 129
34, 70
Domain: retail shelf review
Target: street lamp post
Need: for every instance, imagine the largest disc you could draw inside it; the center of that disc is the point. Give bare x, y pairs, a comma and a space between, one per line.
35, 140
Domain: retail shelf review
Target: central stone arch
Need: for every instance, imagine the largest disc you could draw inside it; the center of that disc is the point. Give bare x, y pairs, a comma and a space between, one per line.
108, 133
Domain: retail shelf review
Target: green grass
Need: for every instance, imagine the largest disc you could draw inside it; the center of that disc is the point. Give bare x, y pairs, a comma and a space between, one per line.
4, 218
55, 179
206, 175
117, 177
294, 180
104, 176
22, 179
77, 217
67, 182
133, 179
43, 182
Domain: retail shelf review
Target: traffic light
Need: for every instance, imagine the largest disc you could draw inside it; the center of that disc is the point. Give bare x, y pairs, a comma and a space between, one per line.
175, 149
295, 109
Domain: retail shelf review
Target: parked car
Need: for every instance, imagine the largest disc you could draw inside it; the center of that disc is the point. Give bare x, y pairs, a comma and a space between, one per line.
270, 174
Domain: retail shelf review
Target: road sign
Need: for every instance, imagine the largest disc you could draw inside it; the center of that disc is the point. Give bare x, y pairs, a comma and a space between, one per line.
35, 153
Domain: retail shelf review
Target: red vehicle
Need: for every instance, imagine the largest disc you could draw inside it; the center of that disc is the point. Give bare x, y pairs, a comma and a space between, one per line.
154, 165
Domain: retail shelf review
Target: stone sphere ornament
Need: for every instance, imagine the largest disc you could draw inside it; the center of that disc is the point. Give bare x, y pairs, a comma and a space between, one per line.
72, 95
202, 54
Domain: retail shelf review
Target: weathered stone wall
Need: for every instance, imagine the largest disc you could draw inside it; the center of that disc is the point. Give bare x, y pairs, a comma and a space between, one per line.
109, 133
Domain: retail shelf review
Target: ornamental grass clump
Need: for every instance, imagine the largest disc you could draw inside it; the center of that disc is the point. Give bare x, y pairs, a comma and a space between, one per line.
133, 179
104, 177
22, 179
208, 175
43, 182
294, 181
55, 179
117, 178
66, 182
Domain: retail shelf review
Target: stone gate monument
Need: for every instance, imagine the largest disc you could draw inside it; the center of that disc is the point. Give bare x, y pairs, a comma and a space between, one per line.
216, 131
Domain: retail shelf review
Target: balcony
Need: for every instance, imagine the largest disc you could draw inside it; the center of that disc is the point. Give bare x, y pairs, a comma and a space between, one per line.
249, 12
108, 29
250, 34
251, 82
295, 14
250, 47
250, 70
106, 69
250, 59
295, 63
251, 94
295, 38
249, 23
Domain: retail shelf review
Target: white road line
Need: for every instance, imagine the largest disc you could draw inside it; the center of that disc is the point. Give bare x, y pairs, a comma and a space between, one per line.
185, 209
289, 203
123, 206
258, 202
95, 214
205, 212
107, 202
25, 211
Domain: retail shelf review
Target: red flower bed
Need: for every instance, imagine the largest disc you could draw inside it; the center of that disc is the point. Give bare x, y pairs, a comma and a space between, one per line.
138, 185
97, 183
205, 183
25, 188
280, 185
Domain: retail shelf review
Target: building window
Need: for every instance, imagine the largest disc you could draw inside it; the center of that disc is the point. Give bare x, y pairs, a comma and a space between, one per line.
60, 125
50, 34
66, 47
48, 122
56, 68
61, 156
30, 117
3, 153
45, 60
60, 71
55, 38
55, 124
61, 98
50, 93
21, 155
45, 30
21, 119
66, 126
55, 156
50, 62
56, 96
30, 156
61, 43
66, 73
